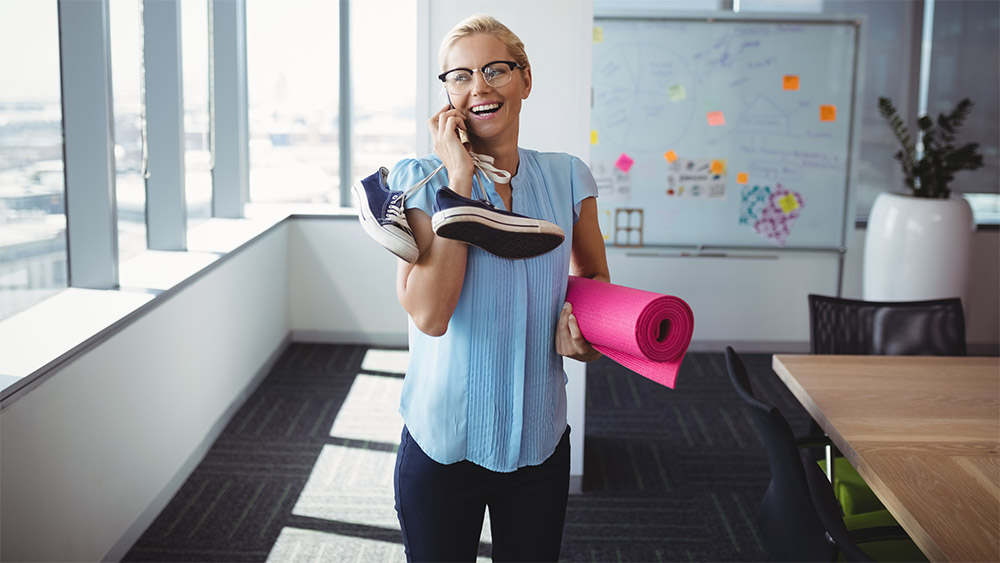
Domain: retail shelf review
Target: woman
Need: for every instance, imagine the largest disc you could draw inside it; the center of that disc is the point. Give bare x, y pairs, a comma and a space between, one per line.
484, 400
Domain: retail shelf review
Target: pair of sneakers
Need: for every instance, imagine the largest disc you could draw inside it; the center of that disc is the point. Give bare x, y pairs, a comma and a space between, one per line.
477, 222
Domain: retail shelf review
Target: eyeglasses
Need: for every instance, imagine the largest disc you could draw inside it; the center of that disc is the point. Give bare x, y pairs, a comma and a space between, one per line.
497, 74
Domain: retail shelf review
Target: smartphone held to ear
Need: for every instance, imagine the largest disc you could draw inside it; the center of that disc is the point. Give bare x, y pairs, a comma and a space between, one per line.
463, 135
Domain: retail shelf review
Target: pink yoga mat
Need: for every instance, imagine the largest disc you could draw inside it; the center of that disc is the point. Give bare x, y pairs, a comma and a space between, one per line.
646, 332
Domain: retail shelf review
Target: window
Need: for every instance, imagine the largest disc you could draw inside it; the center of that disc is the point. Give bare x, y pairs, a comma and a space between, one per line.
293, 50
32, 209
126, 86
383, 120
964, 58
197, 154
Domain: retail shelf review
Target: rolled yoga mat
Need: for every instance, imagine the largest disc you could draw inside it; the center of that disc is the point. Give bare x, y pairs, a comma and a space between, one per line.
646, 332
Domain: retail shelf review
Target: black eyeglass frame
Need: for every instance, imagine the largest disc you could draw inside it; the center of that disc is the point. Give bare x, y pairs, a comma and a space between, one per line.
444, 75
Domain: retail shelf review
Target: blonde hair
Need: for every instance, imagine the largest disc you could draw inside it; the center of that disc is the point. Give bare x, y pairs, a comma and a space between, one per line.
488, 25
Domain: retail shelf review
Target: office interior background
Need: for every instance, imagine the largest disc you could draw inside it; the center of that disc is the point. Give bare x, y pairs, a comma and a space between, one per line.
174, 212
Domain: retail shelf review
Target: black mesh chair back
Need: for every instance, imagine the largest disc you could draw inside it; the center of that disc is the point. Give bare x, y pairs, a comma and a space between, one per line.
789, 524
886, 328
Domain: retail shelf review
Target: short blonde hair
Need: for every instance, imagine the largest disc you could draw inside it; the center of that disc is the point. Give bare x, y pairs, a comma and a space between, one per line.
483, 24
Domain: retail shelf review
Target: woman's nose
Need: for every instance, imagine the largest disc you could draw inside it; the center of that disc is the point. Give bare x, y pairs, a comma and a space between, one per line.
479, 83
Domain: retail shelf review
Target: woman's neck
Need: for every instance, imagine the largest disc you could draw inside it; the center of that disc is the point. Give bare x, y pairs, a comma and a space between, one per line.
505, 157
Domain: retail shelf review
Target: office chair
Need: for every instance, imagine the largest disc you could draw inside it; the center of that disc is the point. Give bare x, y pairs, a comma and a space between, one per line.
799, 518
889, 328
886, 328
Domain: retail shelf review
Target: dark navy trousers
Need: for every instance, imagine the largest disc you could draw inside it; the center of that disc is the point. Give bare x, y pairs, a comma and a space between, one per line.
441, 507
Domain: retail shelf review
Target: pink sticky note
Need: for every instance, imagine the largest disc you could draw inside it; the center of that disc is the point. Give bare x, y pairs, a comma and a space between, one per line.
625, 163
715, 118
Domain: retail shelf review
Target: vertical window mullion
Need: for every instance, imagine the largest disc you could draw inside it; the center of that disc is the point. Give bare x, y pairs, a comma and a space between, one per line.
166, 208
230, 137
88, 133
344, 120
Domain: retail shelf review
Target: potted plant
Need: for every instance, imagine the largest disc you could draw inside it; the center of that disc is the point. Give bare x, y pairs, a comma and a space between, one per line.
918, 244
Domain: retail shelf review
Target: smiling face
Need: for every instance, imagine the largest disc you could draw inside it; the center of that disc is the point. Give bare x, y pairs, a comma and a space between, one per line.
493, 113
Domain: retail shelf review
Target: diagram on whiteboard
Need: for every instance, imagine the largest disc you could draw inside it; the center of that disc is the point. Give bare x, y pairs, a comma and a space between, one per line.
726, 126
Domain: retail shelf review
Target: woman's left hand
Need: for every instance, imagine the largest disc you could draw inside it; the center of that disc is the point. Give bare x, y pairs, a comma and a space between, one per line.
569, 339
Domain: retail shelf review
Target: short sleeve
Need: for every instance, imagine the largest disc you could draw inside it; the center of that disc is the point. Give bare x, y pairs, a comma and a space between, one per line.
584, 185
410, 172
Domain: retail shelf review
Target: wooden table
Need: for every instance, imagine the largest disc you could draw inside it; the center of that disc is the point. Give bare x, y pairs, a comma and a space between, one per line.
923, 432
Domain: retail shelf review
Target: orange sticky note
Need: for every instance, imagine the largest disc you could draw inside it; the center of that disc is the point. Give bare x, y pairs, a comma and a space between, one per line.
790, 82
715, 118
670, 156
593, 136
788, 203
742, 178
718, 166
828, 113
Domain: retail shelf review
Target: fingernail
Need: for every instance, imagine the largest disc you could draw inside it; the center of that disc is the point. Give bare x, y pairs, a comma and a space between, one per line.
566, 305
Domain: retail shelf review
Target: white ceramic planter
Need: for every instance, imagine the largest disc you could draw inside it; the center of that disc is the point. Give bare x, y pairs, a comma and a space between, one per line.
917, 248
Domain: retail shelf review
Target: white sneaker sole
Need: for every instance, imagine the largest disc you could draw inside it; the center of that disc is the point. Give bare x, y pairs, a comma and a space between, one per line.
392, 239
502, 235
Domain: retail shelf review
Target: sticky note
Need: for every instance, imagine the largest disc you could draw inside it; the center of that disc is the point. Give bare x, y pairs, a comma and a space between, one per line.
828, 113
624, 163
593, 136
598, 34
718, 166
677, 92
670, 156
788, 203
715, 118
742, 178
790, 82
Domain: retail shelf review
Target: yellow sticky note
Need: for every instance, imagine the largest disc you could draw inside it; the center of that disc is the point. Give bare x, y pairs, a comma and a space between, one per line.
742, 178
677, 92
598, 34
715, 118
790, 82
828, 113
718, 166
788, 203
670, 156
593, 136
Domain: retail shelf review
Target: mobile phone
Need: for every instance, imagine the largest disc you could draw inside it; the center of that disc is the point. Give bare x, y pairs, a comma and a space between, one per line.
463, 136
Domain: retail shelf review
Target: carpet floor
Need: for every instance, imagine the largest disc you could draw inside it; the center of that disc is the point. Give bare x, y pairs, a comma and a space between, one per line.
303, 472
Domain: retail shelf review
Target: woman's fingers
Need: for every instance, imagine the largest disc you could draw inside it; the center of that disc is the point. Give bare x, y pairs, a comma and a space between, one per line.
569, 339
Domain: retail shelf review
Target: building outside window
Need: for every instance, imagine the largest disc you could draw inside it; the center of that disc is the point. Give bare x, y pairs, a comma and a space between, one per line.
32, 203
384, 105
126, 87
293, 91
197, 153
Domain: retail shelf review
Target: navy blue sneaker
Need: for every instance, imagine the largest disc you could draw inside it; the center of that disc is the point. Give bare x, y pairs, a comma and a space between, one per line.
499, 232
380, 211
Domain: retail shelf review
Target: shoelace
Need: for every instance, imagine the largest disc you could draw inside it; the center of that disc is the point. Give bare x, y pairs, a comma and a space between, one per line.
484, 166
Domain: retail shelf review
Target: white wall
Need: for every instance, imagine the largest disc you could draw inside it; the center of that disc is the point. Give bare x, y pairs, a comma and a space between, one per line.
92, 453
342, 285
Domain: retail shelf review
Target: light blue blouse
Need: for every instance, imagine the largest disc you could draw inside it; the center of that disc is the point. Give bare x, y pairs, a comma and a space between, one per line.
492, 389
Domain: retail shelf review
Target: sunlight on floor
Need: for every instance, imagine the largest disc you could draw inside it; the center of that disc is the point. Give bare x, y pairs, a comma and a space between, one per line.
391, 361
371, 410
354, 485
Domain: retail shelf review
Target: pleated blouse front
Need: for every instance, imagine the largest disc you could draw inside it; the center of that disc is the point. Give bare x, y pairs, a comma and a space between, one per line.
491, 390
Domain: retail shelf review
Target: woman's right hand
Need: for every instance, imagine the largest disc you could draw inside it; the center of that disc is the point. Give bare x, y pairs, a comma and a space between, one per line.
444, 126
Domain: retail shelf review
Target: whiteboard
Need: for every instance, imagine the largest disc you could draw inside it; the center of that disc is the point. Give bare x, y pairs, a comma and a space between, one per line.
724, 132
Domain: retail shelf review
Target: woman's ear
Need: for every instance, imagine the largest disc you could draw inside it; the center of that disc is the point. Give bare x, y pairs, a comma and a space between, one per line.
526, 83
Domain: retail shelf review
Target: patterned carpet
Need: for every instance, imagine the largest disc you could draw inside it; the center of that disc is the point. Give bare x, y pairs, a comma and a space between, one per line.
304, 470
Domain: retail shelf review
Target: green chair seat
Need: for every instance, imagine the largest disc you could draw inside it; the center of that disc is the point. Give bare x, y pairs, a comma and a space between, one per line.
855, 496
